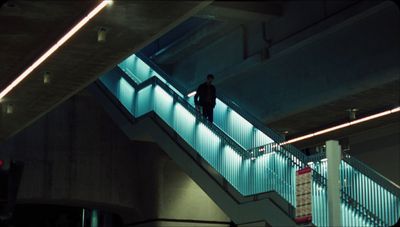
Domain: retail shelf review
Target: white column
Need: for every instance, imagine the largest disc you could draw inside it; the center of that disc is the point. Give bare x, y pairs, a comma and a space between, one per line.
333, 155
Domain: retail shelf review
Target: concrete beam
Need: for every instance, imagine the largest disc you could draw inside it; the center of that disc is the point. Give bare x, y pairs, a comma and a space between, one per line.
241, 11
193, 42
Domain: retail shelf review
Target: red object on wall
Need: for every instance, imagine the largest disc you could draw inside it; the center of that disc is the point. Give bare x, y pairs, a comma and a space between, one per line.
303, 171
305, 219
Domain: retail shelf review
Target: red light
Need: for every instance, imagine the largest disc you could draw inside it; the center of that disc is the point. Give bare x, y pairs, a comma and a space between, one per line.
1, 163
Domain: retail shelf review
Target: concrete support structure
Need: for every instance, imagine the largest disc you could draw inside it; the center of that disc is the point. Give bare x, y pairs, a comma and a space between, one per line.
76, 156
333, 154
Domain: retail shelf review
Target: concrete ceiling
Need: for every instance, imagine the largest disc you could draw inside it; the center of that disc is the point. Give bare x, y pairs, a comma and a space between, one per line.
368, 102
241, 11
233, 79
197, 40
225, 16
28, 28
343, 134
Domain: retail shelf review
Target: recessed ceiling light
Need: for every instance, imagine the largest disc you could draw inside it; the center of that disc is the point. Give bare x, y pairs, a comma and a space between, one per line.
352, 113
46, 78
9, 109
101, 35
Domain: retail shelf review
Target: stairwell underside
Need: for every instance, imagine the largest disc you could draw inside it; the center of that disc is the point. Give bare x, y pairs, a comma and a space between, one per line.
266, 207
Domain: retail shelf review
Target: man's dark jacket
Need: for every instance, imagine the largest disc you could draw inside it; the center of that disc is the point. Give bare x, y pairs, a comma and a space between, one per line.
201, 93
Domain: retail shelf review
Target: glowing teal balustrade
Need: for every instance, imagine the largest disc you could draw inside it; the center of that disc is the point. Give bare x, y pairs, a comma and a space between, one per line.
364, 201
225, 118
185, 125
164, 106
139, 71
136, 69
266, 173
144, 101
367, 200
126, 94
319, 204
237, 127
94, 222
369, 194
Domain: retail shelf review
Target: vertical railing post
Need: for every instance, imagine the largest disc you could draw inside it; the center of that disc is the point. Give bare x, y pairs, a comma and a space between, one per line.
333, 155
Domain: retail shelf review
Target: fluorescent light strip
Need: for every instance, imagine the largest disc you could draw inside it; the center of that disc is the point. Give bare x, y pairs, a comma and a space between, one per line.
344, 125
191, 94
54, 47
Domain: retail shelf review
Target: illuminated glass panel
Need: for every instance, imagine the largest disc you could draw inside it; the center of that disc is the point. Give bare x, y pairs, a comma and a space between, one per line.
95, 219
126, 94
136, 69
185, 123
164, 106
207, 143
144, 101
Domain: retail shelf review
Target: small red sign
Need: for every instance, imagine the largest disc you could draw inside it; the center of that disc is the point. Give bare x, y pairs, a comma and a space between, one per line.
305, 219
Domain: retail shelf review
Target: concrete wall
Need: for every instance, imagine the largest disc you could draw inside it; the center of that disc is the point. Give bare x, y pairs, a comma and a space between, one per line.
76, 155
351, 52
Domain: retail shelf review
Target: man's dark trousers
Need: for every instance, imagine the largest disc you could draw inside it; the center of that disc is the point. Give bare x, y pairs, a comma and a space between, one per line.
208, 112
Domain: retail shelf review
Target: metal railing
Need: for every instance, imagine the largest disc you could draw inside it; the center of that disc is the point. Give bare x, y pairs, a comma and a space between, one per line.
271, 157
249, 177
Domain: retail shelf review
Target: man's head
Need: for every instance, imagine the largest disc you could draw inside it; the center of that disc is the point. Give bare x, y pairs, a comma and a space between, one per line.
210, 78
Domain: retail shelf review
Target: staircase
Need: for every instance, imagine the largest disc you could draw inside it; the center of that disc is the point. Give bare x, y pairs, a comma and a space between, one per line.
237, 161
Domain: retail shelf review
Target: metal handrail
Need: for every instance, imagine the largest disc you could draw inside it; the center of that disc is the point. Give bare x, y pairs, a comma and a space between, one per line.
243, 112
371, 173
232, 105
360, 166
278, 138
381, 180
321, 181
364, 169
226, 187
348, 199
156, 81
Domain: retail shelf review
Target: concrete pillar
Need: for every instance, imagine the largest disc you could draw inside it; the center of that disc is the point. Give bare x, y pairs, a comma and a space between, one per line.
333, 155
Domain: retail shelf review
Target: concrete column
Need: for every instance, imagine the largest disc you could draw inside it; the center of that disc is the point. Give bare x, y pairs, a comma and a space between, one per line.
333, 155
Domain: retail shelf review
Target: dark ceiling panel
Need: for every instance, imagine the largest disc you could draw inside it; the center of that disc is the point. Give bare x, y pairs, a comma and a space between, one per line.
130, 25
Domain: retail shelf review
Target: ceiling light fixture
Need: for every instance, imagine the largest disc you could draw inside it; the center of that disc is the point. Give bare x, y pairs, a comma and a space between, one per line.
46, 78
344, 125
52, 49
101, 35
352, 113
9, 109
